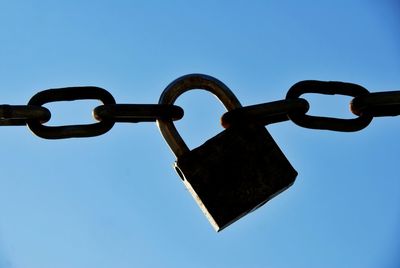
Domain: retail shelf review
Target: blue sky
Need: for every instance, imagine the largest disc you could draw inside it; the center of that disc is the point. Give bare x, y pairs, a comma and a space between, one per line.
115, 200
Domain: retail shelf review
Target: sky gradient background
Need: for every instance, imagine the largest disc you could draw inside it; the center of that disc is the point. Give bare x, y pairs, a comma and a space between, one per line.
115, 200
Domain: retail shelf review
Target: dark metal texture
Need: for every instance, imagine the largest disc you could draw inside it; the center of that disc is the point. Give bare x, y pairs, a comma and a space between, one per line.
327, 123
182, 85
364, 104
135, 113
232, 173
235, 172
377, 104
19, 115
265, 113
70, 94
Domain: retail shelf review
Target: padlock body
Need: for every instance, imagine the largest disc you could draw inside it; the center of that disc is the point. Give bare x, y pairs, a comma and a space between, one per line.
235, 172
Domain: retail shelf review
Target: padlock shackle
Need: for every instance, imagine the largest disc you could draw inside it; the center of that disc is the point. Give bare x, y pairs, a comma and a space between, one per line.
180, 86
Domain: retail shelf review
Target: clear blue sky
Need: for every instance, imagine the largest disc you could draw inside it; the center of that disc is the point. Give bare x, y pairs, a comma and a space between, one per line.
115, 201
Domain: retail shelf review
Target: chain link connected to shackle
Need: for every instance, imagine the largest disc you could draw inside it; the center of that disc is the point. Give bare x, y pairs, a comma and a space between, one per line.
34, 114
364, 104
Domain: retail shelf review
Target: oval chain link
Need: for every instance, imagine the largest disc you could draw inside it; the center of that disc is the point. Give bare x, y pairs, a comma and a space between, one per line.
70, 94
328, 123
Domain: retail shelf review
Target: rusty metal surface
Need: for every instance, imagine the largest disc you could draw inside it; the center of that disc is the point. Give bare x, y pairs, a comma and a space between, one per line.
234, 173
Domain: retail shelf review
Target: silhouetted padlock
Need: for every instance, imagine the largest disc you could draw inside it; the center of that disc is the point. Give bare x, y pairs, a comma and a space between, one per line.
234, 172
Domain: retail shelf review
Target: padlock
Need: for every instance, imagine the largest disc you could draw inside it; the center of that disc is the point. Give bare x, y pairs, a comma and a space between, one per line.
233, 173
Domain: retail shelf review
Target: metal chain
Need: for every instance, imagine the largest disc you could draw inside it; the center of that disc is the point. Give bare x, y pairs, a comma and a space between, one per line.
34, 114
18, 115
364, 104
70, 94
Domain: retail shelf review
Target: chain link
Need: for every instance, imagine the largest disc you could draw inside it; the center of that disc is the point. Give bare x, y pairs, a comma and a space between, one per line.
265, 113
34, 115
70, 94
328, 88
19, 115
377, 104
364, 105
135, 113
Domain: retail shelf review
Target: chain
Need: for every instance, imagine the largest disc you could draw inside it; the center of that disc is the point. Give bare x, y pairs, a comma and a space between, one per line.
18, 115
34, 114
364, 105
